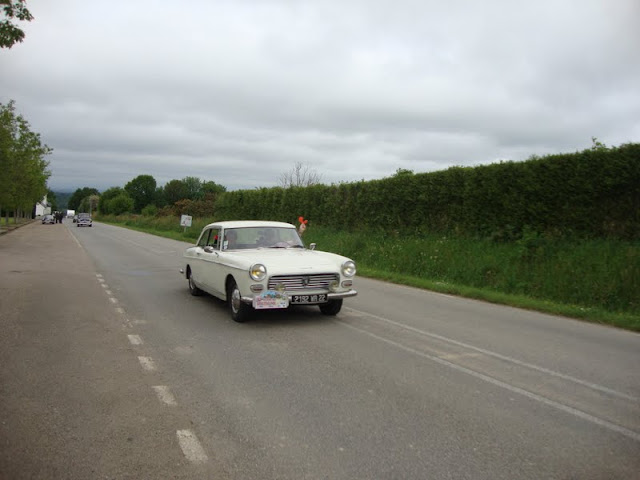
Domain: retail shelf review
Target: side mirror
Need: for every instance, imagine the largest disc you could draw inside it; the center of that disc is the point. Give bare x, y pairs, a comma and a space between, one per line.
208, 249
312, 246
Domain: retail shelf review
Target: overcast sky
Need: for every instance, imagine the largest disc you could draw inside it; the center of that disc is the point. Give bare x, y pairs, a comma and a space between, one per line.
238, 91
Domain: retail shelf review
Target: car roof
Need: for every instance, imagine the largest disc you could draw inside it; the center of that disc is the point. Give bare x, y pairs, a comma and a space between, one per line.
249, 223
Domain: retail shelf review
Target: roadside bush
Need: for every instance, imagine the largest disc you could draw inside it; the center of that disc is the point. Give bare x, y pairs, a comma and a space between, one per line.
120, 204
150, 211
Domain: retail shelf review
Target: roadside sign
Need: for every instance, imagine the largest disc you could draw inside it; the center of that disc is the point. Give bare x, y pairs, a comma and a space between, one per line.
185, 221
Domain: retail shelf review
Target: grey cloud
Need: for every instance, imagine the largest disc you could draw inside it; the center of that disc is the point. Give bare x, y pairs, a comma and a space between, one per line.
238, 91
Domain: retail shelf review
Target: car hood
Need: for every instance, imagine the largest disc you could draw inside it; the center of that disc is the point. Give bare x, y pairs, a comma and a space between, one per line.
289, 260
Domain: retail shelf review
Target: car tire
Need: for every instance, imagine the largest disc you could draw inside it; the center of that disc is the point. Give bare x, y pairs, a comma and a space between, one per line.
240, 312
195, 291
332, 307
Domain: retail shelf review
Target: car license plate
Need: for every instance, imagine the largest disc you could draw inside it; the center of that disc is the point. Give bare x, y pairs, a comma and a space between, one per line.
309, 299
270, 299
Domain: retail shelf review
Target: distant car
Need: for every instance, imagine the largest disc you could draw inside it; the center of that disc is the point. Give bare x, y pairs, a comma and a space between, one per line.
265, 265
48, 219
84, 220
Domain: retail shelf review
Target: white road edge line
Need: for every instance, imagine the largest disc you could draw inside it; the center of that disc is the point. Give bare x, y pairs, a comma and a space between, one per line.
165, 395
577, 413
515, 361
191, 446
135, 339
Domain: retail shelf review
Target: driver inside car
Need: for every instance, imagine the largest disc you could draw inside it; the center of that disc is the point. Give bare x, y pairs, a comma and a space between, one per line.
231, 238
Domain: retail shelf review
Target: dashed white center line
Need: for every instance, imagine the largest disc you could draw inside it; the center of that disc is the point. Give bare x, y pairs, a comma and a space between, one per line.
113, 300
135, 339
147, 363
165, 395
191, 446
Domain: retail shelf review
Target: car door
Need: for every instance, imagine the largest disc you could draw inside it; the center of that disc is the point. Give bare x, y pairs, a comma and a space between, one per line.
210, 262
197, 260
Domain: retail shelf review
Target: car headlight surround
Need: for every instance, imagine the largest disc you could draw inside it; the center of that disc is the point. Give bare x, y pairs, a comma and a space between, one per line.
258, 272
349, 268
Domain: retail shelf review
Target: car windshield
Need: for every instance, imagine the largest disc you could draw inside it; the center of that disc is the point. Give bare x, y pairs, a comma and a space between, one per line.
261, 237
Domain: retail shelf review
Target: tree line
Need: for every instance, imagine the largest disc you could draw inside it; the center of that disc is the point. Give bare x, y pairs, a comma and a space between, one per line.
593, 193
142, 195
23, 167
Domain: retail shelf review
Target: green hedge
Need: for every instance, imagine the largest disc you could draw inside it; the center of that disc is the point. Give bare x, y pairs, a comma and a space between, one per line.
593, 193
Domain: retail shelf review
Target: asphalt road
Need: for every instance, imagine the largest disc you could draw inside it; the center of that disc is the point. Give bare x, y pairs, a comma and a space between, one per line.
110, 369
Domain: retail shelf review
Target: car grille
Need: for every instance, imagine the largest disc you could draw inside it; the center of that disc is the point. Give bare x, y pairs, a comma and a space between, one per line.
303, 282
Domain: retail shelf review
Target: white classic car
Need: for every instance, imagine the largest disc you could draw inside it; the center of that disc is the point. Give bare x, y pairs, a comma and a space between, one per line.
265, 265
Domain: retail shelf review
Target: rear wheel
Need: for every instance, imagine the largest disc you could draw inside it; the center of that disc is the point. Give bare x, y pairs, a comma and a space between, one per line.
240, 312
332, 307
195, 291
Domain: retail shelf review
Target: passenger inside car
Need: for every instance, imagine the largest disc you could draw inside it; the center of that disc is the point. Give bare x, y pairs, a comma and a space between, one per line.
268, 238
230, 242
213, 239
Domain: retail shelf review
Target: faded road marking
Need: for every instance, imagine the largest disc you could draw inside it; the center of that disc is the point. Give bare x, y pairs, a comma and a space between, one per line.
147, 363
165, 395
191, 446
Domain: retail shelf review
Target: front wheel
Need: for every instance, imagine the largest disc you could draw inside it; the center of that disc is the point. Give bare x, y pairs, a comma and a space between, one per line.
240, 312
195, 291
332, 307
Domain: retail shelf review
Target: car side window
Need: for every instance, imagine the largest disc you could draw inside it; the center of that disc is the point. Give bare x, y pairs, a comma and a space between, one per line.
204, 239
214, 238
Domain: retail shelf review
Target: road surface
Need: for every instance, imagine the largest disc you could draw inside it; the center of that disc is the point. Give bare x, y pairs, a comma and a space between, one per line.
110, 369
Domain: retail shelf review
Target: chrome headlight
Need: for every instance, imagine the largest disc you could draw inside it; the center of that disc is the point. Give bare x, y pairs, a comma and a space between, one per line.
348, 268
258, 272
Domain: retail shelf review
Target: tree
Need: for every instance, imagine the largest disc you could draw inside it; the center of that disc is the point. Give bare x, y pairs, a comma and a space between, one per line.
10, 34
52, 200
23, 169
106, 197
402, 172
212, 187
598, 145
79, 195
120, 204
142, 190
90, 204
300, 175
174, 191
193, 187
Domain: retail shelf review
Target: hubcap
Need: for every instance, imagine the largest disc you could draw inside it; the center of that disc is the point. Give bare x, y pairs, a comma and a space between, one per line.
235, 300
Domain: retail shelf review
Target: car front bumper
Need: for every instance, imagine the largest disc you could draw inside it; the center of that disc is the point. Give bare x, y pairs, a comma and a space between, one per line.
330, 296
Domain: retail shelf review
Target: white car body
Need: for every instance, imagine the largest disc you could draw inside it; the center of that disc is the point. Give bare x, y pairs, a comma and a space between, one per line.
284, 271
84, 220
